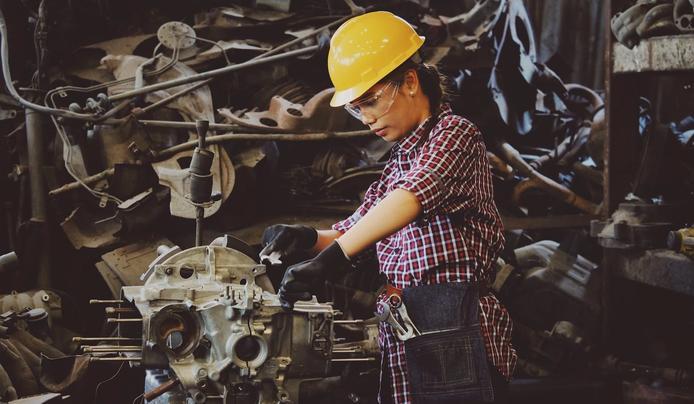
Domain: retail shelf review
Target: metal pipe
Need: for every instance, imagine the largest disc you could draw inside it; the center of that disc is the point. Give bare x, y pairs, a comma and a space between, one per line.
269, 137
87, 339
87, 180
117, 359
211, 74
97, 301
94, 349
8, 262
159, 390
172, 97
114, 310
35, 146
123, 320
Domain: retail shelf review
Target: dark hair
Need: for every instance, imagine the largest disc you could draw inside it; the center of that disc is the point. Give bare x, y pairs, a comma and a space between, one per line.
434, 84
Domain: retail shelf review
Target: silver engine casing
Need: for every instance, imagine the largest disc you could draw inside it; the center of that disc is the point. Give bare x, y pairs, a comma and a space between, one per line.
209, 314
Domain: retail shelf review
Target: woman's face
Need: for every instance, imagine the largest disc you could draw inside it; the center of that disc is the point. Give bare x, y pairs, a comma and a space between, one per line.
392, 110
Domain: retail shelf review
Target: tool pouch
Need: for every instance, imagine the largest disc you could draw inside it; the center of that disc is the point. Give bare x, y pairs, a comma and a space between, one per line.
448, 362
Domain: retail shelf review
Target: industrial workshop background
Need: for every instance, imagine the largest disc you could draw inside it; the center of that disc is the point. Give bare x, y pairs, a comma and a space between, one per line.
145, 145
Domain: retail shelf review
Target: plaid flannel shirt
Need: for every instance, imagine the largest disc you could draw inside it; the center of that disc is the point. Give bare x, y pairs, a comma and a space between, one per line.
456, 239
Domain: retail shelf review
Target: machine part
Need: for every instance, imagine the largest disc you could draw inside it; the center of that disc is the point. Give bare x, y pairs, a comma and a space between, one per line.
639, 225
677, 377
201, 179
85, 229
47, 300
8, 263
562, 349
657, 21
212, 73
39, 213
548, 285
683, 15
125, 265
315, 115
176, 35
472, 27
209, 315
280, 137
176, 176
624, 23
537, 180
682, 241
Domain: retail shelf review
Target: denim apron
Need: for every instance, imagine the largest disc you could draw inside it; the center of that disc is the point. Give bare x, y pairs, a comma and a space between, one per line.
448, 361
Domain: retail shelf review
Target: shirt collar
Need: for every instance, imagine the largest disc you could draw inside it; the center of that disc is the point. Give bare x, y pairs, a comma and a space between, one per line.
421, 133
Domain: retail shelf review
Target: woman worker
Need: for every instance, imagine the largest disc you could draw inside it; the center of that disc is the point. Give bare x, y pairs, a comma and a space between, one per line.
431, 215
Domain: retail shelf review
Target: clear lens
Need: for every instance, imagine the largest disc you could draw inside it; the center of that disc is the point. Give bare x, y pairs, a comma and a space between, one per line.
375, 105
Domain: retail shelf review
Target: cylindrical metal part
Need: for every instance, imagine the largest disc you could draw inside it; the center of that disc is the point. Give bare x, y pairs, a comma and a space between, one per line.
114, 310
8, 262
201, 127
201, 161
161, 389
200, 188
199, 216
117, 359
89, 349
108, 339
123, 320
35, 148
97, 301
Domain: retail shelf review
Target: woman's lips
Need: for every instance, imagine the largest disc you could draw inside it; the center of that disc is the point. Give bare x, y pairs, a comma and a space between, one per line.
380, 132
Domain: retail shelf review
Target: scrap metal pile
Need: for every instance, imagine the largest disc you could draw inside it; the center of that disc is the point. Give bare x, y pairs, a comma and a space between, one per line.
100, 131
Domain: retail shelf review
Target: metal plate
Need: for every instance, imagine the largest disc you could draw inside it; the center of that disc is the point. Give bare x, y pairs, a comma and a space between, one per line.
176, 34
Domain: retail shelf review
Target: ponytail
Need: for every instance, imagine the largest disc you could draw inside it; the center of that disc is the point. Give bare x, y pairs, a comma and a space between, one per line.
434, 84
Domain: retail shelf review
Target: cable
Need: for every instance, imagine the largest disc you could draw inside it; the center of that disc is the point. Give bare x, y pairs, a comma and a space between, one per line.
96, 391
4, 55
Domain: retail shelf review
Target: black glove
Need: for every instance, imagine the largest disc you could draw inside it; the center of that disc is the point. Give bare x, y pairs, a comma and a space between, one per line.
330, 265
282, 240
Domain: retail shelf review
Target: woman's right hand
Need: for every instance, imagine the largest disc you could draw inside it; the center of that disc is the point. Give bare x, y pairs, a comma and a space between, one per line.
280, 241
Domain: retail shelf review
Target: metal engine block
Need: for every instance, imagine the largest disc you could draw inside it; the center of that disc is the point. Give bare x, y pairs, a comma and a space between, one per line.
210, 316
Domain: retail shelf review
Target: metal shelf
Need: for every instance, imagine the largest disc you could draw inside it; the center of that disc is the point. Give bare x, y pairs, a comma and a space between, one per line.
659, 54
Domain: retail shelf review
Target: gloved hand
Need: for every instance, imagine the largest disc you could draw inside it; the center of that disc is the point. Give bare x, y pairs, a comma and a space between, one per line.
331, 264
282, 240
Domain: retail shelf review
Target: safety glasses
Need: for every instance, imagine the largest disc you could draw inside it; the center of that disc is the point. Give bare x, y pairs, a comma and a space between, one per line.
374, 105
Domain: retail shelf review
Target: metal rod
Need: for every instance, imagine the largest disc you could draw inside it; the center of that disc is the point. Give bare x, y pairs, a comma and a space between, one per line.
161, 389
119, 310
123, 320
89, 349
263, 137
116, 359
302, 38
353, 360
211, 74
97, 301
81, 339
348, 321
172, 97
87, 180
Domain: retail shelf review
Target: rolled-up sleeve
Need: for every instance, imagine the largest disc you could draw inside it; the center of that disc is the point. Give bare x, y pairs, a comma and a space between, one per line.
442, 169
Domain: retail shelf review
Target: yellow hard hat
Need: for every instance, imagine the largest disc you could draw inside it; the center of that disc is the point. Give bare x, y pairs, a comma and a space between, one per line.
365, 49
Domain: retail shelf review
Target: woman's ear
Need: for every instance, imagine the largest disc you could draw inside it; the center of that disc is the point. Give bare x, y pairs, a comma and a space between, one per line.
411, 82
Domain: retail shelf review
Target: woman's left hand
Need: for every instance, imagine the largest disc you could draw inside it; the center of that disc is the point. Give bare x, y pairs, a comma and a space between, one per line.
330, 265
